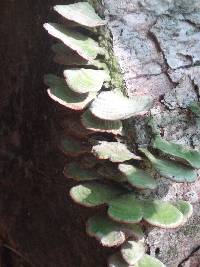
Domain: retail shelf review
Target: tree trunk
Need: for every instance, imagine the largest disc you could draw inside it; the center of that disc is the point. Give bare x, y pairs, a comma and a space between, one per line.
157, 46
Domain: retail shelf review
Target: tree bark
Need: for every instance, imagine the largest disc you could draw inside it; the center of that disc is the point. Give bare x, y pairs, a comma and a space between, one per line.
157, 46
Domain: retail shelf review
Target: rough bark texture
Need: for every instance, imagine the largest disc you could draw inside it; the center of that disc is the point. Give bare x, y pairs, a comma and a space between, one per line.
157, 44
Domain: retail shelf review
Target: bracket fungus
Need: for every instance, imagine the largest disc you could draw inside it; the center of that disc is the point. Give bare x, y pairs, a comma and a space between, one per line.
114, 151
128, 209
137, 177
132, 251
115, 106
191, 156
60, 92
95, 124
83, 45
109, 171
110, 233
171, 169
146, 261
92, 194
74, 171
81, 12
116, 184
66, 56
85, 80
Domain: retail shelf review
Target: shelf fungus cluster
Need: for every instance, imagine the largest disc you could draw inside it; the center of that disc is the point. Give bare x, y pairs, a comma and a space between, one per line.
110, 171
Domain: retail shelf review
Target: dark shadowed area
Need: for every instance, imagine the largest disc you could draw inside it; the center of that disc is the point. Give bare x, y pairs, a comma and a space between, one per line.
39, 224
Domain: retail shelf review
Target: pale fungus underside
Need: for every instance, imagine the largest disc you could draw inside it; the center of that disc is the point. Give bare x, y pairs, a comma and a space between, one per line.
114, 106
83, 45
114, 151
85, 80
82, 13
95, 124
